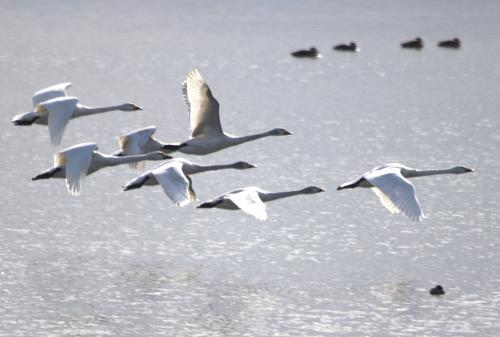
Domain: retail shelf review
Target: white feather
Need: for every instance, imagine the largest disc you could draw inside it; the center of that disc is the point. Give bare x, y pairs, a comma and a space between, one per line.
57, 90
203, 107
395, 192
248, 201
134, 143
175, 184
60, 110
77, 160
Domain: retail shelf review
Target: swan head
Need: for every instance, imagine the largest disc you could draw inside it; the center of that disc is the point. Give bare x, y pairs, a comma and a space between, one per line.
130, 107
461, 169
280, 132
242, 165
313, 189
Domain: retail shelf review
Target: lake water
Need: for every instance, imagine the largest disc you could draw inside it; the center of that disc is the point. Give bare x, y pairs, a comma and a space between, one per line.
111, 263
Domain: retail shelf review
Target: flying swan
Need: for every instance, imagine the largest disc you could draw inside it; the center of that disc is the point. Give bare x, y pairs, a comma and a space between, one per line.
206, 136
251, 199
395, 192
78, 161
53, 107
173, 176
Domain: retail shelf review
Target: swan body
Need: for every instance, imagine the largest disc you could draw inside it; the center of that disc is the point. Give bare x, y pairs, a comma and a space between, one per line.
396, 193
454, 43
76, 162
138, 142
174, 178
52, 107
207, 135
416, 43
346, 47
251, 199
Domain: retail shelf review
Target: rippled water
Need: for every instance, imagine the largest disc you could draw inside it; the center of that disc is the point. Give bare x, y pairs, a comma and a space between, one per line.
334, 264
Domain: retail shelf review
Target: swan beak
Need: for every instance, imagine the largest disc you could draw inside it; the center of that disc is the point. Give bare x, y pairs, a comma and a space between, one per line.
322, 189
136, 107
288, 132
469, 170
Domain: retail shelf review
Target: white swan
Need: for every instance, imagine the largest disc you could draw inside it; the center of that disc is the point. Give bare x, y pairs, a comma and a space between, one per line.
206, 136
138, 142
173, 176
52, 107
251, 199
395, 192
76, 162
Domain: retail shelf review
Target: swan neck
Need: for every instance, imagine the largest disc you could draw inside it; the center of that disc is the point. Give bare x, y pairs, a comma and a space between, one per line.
270, 196
423, 173
244, 139
205, 168
113, 161
82, 110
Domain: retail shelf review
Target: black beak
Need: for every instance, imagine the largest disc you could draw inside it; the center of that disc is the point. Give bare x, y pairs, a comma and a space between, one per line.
138, 108
469, 170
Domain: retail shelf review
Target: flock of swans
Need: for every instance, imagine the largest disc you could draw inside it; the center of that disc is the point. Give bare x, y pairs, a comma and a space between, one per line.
53, 106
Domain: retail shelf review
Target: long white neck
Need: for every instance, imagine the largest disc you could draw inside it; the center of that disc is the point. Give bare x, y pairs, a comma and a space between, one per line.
423, 173
236, 140
82, 110
113, 160
270, 196
204, 168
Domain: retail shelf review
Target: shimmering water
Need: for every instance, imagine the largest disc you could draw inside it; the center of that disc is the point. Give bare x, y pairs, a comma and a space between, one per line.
334, 264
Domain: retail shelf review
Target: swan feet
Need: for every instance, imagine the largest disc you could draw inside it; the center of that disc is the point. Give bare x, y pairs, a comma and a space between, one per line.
173, 147
47, 174
136, 185
210, 204
24, 122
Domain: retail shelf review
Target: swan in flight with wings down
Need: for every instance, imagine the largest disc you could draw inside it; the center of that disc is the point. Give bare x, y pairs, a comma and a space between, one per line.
53, 107
396, 193
206, 136
76, 162
174, 178
251, 199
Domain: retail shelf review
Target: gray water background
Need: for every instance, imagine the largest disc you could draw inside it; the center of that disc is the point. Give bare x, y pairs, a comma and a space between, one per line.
111, 263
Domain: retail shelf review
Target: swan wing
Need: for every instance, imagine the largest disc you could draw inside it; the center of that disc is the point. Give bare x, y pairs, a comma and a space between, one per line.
77, 159
203, 107
60, 110
177, 186
249, 202
53, 91
134, 143
396, 193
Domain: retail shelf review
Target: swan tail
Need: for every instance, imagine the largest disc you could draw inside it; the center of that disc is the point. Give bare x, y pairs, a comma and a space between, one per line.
351, 184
